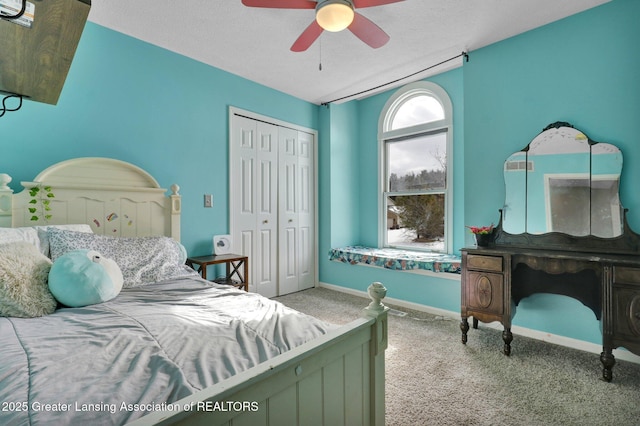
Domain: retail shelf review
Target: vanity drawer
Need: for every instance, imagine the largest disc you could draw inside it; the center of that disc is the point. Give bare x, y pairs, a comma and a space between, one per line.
622, 274
486, 263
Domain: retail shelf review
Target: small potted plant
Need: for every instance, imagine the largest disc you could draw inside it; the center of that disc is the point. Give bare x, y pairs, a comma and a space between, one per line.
483, 234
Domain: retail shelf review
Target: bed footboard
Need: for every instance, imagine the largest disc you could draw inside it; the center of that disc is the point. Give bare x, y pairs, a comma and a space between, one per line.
337, 379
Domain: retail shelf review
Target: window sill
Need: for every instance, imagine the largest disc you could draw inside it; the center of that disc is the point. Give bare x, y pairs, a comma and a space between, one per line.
400, 260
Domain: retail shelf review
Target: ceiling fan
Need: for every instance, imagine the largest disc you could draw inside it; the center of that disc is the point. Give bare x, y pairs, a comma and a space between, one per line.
332, 15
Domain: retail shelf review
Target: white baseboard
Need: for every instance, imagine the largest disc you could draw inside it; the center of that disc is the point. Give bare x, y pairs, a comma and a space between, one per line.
582, 345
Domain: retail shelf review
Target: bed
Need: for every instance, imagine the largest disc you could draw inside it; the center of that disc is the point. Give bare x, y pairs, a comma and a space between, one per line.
170, 347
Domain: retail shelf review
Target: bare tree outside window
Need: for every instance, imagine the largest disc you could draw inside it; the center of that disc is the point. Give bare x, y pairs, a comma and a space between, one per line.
416, 184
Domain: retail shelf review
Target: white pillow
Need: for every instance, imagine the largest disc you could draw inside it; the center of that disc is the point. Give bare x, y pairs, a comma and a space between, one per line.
37, 235
27, 234
142, 260
24, 272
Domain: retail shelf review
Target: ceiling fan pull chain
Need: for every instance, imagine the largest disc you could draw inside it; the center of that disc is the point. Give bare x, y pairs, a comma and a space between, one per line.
320, 48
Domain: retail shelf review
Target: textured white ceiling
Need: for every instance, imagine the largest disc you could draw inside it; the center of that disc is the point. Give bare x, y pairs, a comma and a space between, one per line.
254, 43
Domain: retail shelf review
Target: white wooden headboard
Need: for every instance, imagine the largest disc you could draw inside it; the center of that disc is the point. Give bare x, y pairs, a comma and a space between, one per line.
114, 197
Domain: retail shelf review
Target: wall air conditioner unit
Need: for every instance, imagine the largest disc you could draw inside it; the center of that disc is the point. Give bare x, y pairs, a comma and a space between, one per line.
36, 50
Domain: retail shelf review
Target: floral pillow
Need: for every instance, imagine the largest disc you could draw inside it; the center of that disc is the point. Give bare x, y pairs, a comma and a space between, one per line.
142, 260
43, 236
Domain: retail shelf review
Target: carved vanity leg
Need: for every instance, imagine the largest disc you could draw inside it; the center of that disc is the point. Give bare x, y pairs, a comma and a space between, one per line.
608, 361
475, 323
507, 337
464, 327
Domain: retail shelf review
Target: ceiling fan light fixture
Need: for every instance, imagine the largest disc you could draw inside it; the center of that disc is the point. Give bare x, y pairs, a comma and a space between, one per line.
334, 15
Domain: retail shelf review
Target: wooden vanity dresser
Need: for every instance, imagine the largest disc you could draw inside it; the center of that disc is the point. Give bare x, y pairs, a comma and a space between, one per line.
598, 265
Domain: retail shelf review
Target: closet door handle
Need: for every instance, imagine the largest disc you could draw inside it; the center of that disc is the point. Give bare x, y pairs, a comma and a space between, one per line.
265, 221
290, 220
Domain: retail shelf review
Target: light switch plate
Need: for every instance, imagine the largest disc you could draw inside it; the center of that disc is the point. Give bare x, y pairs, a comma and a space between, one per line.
208, 200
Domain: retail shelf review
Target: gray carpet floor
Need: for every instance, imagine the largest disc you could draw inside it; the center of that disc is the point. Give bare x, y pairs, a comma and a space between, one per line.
433, 379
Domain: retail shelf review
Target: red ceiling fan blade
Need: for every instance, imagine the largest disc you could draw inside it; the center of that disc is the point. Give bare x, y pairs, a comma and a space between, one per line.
368, 32
307, 37
281, 4
371, 3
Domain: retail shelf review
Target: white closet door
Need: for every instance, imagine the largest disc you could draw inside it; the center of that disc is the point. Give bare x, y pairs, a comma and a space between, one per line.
306, 210
288, 191
253, 200
272, 202
266, 256
296, 228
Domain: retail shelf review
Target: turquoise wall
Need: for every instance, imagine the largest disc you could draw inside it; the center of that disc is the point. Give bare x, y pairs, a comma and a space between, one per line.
578, 70
363, 187
581, 69
166, 113
344, 171
338, 167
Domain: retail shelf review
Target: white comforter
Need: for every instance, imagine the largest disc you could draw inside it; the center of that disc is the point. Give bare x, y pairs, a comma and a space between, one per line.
110, 363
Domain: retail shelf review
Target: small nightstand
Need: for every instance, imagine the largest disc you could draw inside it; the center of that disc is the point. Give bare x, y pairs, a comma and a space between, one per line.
233, 261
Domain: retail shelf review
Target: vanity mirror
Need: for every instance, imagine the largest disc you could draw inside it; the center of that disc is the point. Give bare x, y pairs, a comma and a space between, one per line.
563, 182
562, 192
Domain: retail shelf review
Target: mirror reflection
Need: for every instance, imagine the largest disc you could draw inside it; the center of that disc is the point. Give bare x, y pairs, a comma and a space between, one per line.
563, 182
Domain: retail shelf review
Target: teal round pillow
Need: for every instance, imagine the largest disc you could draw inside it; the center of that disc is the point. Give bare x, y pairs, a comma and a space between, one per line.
84, 277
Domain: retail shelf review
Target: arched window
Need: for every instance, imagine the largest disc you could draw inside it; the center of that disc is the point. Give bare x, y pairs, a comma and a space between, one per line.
415, 137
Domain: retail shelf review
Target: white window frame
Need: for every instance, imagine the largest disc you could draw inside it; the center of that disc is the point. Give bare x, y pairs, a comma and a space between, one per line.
385, 133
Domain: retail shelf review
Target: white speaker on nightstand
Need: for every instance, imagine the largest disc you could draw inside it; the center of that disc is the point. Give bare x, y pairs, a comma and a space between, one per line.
221, 244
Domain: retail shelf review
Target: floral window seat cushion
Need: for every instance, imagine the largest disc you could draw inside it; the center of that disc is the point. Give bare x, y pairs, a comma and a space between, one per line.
396, 259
